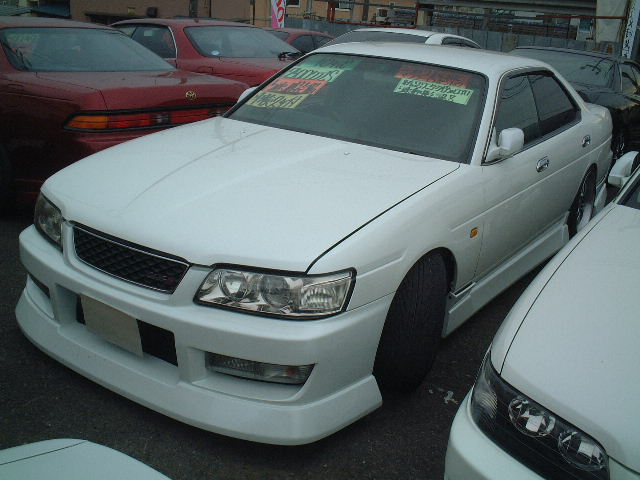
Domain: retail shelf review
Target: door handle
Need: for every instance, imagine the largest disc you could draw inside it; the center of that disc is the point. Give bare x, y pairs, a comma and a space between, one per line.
542, 164
586, 140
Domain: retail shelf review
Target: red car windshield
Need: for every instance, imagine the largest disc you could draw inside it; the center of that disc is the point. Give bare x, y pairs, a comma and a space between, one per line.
237, 42
399, 105
76, 50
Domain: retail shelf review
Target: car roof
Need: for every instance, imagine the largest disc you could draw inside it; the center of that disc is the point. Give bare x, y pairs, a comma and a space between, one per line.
295, 30
8, 22
185, 22
492, 64
406, 31
572, 51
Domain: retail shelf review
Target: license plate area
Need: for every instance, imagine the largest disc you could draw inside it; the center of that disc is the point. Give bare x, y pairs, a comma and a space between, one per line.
112, 325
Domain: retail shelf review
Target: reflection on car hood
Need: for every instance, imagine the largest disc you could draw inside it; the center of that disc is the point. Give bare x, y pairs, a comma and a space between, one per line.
228, 191
122, 90
577, 351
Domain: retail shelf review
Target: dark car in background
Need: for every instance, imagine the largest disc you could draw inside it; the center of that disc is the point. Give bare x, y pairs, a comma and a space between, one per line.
303, 40
607, 80
236, 51
69, 89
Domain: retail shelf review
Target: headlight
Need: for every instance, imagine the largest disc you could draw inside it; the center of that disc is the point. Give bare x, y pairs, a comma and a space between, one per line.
270, 293
48, 220
538, 438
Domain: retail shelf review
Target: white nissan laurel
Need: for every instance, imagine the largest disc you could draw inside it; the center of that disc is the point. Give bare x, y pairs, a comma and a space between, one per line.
557, 395
259, 275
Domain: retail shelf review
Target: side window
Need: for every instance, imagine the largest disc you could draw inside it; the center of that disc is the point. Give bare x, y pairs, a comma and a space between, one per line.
555, 107
466, 43
629, 79
517, 108
304, 43
157, 39
127, 29
319, 40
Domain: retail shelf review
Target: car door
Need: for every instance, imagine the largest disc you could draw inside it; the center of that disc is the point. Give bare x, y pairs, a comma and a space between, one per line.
532, 190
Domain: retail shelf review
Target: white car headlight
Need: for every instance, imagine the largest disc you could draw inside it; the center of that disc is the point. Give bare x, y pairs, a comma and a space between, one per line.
538, 438
294, 296
48, 220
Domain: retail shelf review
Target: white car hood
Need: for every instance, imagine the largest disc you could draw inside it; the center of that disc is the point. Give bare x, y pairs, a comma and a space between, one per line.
233, 192
577, 351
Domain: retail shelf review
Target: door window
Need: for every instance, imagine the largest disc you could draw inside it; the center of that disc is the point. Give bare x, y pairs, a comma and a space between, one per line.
517, 108
629, 79
304, 43
555, 107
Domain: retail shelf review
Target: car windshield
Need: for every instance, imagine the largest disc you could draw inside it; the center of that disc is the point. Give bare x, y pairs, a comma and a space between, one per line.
237, 42
575, 67
373, 36
76, 50
408, 107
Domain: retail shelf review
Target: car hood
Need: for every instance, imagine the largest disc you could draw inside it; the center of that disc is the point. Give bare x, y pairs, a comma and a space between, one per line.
122, 90
577, 351
228, 191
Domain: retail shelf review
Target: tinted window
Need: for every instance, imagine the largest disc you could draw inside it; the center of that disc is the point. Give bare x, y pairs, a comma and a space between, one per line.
366, 36
238, 42
76, 50
555, 108
304, 43
157, 39
320, 40
575, 67
517, 108
408, 107
629, 79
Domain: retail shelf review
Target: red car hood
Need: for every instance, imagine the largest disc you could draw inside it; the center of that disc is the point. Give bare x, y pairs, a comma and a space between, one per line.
138, 90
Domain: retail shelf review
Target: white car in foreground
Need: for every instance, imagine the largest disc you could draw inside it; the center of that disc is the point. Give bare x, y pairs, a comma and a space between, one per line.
259, 275
71, 459
557, 395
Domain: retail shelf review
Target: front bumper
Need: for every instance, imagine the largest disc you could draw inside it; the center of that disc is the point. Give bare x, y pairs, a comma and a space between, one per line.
340, 389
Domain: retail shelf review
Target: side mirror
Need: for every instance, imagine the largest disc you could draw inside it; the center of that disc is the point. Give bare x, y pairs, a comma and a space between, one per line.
510, 141
245, 94
623, 169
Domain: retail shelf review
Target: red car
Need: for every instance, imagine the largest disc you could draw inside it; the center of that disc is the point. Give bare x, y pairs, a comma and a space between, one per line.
236, 51
303, 40
69, 89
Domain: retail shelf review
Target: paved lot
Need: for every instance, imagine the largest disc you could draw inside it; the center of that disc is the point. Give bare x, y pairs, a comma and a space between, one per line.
406, 438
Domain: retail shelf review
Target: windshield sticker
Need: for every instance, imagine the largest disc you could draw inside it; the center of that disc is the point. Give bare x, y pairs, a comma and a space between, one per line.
276, 100
296, 86
313, 72
443, 77
434, 90
321, 68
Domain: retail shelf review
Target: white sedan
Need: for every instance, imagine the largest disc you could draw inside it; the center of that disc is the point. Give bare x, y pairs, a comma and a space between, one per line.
556, 396
261, 274
404, 35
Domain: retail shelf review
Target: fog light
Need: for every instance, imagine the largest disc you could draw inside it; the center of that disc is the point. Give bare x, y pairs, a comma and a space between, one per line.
266, 372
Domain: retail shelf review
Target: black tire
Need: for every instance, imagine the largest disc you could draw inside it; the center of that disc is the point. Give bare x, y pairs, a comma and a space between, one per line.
413, 327
583, 206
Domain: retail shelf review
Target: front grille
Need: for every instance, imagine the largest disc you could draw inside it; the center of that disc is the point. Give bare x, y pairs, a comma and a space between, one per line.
130, 262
